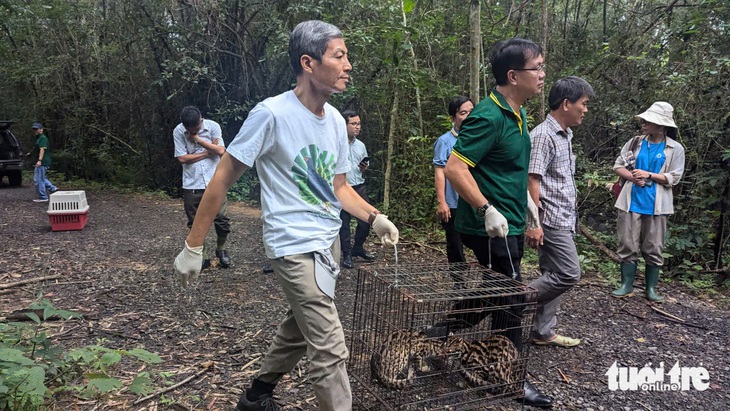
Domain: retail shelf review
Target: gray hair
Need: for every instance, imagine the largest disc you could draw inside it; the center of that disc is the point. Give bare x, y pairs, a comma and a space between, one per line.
310, 38
571, 88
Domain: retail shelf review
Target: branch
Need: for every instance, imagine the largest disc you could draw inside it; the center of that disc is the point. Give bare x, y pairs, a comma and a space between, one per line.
598, 243
29, 281
665, 11
117, 138
206, 366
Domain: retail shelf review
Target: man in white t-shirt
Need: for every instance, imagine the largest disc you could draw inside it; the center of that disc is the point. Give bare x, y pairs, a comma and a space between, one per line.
299, 145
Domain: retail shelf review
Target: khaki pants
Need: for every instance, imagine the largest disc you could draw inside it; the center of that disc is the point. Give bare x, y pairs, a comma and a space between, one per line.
312, 327
641, 233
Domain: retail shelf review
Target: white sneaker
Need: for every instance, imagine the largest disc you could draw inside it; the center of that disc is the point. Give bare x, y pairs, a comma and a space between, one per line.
40, 200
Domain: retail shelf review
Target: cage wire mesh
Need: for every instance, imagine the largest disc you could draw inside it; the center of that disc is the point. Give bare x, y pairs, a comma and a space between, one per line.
443, 306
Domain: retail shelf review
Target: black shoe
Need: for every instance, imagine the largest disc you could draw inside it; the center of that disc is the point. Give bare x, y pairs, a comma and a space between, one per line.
223, 258
360, 252
264, 403
535, 398
206, 264
268, 269
347, 260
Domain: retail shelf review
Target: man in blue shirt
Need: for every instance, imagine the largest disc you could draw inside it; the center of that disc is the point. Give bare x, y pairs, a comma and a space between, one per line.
459, 109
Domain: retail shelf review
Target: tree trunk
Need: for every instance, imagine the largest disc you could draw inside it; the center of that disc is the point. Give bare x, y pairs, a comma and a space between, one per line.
391, 144
415, 70
475, 40
544, 52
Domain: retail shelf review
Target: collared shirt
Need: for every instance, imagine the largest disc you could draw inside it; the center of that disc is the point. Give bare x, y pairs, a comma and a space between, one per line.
356, 154
672, 169
553, 160
495, 144
441, 152
197, 175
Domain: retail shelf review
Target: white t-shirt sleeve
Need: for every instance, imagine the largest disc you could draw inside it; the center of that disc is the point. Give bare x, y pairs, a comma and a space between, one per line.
343, 163
255, 136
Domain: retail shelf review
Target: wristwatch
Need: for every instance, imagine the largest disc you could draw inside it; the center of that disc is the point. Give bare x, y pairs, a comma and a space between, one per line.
483, 210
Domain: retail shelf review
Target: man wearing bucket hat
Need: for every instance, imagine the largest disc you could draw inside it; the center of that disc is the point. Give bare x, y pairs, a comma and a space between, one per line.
646, 199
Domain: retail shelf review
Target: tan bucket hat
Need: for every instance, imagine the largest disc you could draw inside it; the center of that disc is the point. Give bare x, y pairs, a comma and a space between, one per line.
660, 113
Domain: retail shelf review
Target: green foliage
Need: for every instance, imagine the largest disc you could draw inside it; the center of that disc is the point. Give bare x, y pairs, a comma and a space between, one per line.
32, 367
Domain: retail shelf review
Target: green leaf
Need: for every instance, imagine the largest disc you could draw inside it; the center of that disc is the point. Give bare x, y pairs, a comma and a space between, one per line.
14, 356
146, 356
105, 384
409, 5
111, 358
33, 316
142, 384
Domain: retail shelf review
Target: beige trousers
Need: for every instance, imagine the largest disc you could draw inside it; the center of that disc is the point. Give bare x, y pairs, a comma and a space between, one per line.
312, 327
639, 233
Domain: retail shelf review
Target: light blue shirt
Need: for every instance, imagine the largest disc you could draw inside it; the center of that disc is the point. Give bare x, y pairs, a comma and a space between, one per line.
441, 152
651, 158
356, 154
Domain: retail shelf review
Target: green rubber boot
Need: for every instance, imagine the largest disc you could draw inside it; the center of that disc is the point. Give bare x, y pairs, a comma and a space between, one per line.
628, 274
652, 278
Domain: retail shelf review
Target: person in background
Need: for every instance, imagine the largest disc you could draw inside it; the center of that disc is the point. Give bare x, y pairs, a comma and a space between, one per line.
551, 183
199, 147
359, 163
488, 169
42, 154
299, 145
459, 109
646, 198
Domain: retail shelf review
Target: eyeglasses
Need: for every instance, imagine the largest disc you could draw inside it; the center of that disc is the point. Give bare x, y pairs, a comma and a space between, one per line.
354, 124
539, 69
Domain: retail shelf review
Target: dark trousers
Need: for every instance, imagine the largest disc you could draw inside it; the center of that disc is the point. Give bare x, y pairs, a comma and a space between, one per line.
454, 247
362, 230
506, 321
191, 200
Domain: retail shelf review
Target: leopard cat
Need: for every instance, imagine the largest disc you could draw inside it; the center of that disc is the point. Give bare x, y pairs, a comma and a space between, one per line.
487, 362
394, 361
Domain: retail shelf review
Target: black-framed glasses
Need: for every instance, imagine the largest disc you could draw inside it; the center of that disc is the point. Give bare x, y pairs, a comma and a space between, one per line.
355, 124
540, 68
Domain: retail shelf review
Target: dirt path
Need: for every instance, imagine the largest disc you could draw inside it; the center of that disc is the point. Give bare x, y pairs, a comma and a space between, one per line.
118, 271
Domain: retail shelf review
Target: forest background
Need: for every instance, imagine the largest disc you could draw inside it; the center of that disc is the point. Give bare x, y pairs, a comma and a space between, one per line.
108, 79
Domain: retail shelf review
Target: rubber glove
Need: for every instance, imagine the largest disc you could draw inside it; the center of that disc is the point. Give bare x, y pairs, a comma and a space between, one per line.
533, 215
386, 230
495, 223
188, 264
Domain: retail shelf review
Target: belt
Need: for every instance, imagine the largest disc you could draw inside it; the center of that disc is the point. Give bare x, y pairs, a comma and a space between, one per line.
195, 191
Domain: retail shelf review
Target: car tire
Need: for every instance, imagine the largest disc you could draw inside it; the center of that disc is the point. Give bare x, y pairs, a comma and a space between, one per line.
15, 179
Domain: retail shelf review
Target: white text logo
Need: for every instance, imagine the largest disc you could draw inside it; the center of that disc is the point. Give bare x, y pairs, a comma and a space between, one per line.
654, 379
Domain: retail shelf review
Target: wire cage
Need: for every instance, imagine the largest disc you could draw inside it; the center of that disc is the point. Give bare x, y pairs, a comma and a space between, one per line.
473, 322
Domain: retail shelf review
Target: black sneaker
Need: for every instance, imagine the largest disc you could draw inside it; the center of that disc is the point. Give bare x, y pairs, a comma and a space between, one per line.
268, 269
264, 403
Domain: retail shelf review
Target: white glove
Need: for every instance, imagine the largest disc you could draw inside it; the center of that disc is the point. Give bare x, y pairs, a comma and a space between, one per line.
533, 215
386, 230
495, 223
188, 264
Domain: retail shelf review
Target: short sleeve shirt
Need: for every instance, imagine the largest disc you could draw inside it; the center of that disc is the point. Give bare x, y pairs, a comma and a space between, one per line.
297, 155
553, 160
197, 175
357, 152
441, 153
495, 144
42, 143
